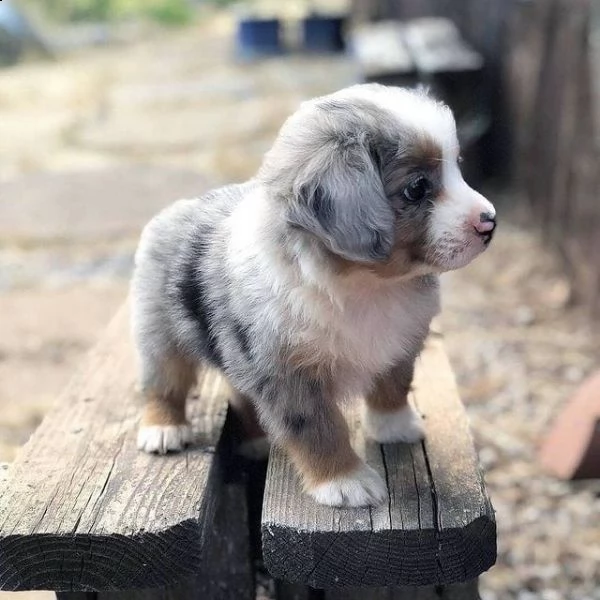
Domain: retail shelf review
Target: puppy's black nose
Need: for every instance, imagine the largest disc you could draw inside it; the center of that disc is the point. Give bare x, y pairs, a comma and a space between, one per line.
485, 227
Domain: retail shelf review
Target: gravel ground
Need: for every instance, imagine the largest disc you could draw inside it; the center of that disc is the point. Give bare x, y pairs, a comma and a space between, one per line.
519, 351
518, 347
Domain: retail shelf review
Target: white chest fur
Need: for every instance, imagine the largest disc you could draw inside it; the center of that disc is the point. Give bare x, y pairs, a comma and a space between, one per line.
366, 327
358, 325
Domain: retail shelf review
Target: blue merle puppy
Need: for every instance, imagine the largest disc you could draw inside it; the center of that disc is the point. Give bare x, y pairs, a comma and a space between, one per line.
313, 283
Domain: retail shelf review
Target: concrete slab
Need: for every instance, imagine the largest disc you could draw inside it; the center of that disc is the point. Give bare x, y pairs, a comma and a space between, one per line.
90, 205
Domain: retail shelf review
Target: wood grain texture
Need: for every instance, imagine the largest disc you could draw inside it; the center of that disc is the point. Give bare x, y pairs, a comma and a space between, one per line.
83, 510
225, 574
438, 527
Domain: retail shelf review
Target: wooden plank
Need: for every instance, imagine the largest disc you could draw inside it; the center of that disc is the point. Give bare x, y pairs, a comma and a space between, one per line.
182, 591
226, 572
438, 527
84, 510
300, 536
465, 523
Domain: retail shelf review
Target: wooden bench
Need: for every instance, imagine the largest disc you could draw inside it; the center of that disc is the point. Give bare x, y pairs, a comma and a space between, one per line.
438, 528
85, 514
82, 510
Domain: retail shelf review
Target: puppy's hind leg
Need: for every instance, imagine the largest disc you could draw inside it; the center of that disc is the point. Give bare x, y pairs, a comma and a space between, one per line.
165, 385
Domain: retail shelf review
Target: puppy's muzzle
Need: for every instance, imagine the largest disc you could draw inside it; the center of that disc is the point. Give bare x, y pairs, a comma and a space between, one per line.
486, 227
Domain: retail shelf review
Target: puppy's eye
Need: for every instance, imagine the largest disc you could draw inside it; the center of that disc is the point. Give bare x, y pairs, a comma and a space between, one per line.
460, 160
417, 190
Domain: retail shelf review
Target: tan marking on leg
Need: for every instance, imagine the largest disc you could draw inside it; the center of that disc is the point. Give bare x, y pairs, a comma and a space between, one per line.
164, 410
389, 418
316, 469
320, 457
390, 391
166, 406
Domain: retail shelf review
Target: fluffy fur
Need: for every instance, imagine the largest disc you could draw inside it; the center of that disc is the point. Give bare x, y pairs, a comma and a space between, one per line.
313, 283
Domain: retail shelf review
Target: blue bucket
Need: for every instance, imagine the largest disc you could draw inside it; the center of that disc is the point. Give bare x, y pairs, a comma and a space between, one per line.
258, 37
323, 34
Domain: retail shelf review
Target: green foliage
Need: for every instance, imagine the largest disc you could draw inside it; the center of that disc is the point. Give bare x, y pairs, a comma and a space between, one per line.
168, 12
171, 13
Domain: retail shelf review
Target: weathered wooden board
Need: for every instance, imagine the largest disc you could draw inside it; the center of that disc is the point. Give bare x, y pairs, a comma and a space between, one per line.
225, 574
438, 527
82, 509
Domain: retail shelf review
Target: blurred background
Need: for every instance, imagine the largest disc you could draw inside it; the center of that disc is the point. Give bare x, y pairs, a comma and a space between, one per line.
110, 109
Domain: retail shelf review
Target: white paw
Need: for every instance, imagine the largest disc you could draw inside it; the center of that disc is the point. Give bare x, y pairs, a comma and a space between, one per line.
362, 487
404, 425
163, 438
256, 448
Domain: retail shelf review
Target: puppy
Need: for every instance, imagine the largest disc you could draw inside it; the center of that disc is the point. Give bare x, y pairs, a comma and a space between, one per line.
313, 283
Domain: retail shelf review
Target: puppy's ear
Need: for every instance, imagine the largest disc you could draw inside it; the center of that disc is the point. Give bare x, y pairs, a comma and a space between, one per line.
340, 199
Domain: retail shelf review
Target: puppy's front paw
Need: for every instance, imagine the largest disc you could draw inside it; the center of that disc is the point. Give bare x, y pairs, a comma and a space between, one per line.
404, 425
361, 487
161, 439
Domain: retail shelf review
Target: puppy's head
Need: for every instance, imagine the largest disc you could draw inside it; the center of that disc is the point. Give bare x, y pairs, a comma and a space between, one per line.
373, 173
